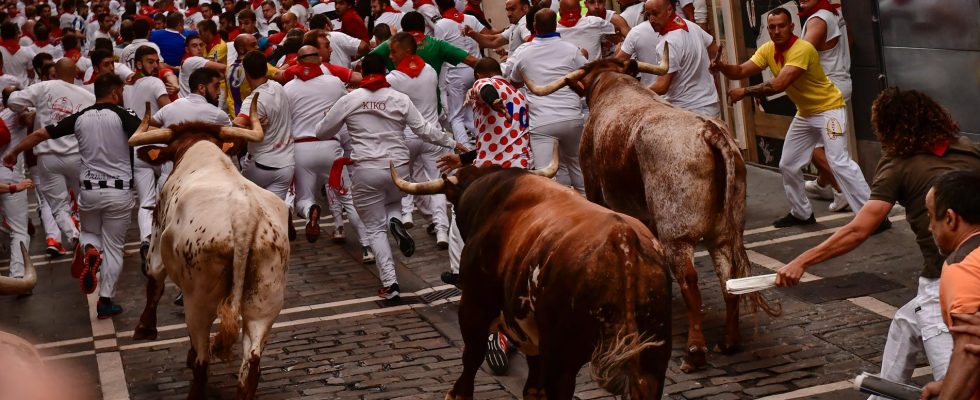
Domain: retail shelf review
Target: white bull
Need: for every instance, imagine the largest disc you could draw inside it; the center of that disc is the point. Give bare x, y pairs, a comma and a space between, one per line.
221, 239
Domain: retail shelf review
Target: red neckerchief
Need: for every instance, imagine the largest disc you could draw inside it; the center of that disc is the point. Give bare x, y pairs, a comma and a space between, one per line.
304, 3
255, 4
41, 43
939, 148
234, 32
401, 3
12, 45
170, 8
191, 11
570, 19
453, 14
132, 79
474, 11
389, 8
304, 71
411, 65
821, 5
778, 54
420, 3
374, 82
674, 23
73, 54
14, 13
419, 36
214, 42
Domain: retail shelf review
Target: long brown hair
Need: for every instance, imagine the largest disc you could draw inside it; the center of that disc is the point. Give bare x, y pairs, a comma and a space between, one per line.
907, 122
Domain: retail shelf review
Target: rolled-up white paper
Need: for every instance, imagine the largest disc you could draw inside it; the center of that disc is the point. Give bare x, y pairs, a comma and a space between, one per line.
750, 284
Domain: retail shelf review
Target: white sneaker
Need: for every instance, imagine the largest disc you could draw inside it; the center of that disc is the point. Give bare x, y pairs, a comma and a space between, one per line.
814, 189
338, 235
839, 203
367, 256
407, 221
442, 240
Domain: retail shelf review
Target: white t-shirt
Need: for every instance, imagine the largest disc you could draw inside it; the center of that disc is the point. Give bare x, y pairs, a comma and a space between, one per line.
344, 47
836, 62
393, 20
187, 68
54, 100
17, 133
300, 12
309, 101
451, 31
190, 23
56, 52
587, 34
147, 89
19, 63
94, 33
193, 107
422, 90
633, 14
692, 85
276, 149
640, 43
10, 80
543, 61
119, 69
516, 35
376, 121
129, 52
71, 21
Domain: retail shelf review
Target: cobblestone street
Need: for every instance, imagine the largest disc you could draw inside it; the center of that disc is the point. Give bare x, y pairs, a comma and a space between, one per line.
335, 339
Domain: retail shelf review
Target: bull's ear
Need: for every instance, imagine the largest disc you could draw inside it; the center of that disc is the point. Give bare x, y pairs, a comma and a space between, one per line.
632, 69
232, 147
154, 155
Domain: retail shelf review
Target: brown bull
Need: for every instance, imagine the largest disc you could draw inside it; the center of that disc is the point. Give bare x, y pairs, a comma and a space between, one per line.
680, 173
222, 240
568, 281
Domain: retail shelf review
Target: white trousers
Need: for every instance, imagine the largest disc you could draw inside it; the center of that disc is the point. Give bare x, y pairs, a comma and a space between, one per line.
14, 207
829, 128
918, 326
47, 219
276, 181
567, 134
455, 245
59, 174
313, 163
459, 80
105, 215
377, 200
423, 168
149, 179
711, 110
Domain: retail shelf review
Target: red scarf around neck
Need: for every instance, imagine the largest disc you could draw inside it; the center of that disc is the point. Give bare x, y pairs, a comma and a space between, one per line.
191, 11
453, 14
74, 54
12, 45
939, 148
41, 43
780, 50
304, 71
255, 4
411, 65
401, 3
420, 3
374, 82
389, 9
821, 5
474, 11
674, 23
570, 19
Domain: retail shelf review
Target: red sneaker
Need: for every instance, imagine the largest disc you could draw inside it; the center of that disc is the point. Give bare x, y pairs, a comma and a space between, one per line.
55, 249
90, 274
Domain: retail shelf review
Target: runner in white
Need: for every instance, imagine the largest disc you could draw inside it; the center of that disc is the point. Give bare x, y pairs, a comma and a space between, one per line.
194, 60
459, 78
141, 33
384, 13
192, 15
688, 84
597, 8
16, 59
631, 11
640, 44
584, 31
13, 203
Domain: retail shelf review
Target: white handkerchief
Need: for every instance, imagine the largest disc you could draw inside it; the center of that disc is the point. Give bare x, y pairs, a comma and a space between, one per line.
750, 284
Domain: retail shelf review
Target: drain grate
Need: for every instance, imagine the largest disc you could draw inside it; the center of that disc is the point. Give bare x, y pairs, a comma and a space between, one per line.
427, 298
440, 295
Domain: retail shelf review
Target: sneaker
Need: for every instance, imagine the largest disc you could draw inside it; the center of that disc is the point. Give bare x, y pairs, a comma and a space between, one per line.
390, 293
790, 220
839, 203
883, 226
291, 231
816, 191
78, 260
367, 256
313, 225
107, 309
404, 241
450, 278
442, 240
431, 229
144, 250
54, 248
90, 273
338, 235
179, 301
497, 357
407, 221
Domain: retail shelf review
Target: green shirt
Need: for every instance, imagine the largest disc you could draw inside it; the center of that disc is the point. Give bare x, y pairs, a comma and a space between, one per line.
435, 52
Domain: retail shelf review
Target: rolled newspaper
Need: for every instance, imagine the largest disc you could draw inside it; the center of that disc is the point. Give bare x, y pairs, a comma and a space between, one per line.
871, 384
750, 284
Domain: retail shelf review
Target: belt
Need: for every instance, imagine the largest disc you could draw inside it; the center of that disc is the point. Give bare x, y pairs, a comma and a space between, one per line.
309, 139
113, 184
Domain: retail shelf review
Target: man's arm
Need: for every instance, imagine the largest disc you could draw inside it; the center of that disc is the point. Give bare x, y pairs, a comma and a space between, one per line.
688, 11
816, 33
662, 84
485, 41
29, 142
962, 379
847, 238
216, 66
786, 77
736, 71
622, 28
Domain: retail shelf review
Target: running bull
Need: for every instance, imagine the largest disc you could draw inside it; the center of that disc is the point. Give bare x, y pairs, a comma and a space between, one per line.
568, 281
680, 173
221, 239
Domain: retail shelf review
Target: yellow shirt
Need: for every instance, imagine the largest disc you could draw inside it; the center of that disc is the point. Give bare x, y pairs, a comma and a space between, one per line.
219, 53
237, 87
812, 92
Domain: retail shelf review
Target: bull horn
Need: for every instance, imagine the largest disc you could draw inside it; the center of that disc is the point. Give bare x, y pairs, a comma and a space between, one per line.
553, 86
656, 69
255, 134
435, 186
145, 135
552, 169
10, 285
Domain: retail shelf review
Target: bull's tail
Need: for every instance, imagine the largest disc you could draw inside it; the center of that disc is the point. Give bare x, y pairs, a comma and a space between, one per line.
724, 146
230, 308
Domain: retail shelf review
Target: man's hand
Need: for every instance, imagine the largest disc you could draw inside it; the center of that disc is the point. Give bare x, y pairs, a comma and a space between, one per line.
790, 274
498, 106
461, 148
931, 390
467, 31
171, 88
716, 63
967, 324
25, 184
9, 160
736, 94
448, 163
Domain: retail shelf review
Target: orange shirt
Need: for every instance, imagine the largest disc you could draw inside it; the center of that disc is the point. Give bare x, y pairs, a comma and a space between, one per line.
959, 286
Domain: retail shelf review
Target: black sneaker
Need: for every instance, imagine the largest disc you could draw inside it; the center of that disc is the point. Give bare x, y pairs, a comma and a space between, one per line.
883, 226
179, 301
144, 250
107, 309
497, 357
404, 241
390, 293
450, 278
790, 220
313, 225
431, 229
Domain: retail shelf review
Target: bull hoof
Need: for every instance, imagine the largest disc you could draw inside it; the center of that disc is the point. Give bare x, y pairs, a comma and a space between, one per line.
727, 348
694, 360
144, 333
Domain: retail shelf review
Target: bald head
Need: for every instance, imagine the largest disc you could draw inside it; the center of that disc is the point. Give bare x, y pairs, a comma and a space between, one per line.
244, 43
567, 6
288, 21
545, 21
65, 69
306, 51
